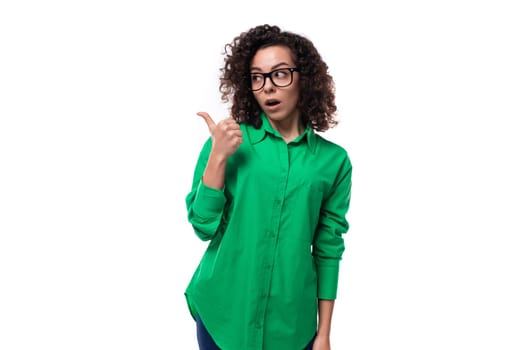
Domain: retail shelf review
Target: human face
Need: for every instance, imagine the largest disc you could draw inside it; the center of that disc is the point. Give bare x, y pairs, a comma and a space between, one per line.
279, 103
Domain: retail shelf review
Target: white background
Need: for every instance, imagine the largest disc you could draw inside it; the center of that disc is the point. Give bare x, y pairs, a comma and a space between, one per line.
99, 137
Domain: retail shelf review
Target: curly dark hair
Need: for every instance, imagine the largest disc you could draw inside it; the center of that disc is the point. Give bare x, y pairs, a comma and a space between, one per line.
317, 90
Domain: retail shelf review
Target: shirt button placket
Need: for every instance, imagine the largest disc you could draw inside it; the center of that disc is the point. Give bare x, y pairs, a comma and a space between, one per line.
272, 233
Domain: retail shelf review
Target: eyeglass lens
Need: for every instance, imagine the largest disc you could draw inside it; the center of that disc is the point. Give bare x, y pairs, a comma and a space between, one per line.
279, 77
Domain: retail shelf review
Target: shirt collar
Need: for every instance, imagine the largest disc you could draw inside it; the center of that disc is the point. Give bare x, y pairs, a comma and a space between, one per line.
257, 135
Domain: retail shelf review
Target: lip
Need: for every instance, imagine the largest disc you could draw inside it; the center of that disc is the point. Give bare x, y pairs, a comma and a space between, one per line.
272, 107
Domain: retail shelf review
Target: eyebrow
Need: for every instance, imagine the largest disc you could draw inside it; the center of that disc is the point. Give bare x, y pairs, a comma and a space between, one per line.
272, 68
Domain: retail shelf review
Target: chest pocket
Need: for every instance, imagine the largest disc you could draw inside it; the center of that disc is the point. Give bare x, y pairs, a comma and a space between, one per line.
303, 205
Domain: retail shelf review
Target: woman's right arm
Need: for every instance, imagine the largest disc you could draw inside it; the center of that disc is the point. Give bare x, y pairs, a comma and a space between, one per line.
226, 139
205, 202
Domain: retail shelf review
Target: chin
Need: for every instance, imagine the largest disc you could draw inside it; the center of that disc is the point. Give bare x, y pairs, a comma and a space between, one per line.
275, 115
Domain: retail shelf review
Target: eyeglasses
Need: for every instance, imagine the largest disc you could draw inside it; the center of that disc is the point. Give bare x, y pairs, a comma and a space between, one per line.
280, 77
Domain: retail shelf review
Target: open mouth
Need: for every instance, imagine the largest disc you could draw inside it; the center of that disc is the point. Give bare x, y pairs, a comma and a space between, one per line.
272, 103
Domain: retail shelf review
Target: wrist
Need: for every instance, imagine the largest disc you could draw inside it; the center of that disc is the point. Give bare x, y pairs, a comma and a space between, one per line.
217, 157
323, 334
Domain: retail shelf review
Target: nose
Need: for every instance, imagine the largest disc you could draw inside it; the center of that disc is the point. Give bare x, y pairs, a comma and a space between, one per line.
268, 84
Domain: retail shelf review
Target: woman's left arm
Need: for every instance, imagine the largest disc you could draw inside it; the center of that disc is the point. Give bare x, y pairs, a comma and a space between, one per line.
328, 248
322, 339
328, 244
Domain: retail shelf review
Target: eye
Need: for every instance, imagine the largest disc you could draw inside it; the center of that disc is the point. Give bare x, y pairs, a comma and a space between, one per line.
281, 73
256, 78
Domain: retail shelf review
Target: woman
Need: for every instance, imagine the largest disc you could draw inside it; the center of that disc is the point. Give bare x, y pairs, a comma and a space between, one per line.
271, 196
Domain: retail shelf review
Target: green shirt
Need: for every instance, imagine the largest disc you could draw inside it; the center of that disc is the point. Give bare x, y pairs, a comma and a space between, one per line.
275, 239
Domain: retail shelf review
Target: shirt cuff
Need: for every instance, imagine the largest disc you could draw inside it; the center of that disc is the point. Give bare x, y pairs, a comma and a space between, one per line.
208, 201
327, 279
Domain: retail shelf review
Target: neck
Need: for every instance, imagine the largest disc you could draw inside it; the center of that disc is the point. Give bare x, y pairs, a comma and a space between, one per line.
289, 129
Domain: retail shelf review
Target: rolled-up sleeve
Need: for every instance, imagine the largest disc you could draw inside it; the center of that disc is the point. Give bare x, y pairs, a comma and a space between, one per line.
205, 205
328, 246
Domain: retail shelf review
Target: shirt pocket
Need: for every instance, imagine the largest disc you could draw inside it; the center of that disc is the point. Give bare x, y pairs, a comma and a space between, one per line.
302, 212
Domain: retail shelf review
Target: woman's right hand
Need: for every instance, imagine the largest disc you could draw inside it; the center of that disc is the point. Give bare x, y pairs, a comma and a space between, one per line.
226, 135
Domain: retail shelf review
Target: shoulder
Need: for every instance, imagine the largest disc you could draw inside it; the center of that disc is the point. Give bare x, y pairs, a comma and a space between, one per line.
206, 145
247, 126
205, 149
330, 149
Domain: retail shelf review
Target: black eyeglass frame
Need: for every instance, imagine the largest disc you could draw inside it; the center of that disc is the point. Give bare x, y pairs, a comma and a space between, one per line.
269, 75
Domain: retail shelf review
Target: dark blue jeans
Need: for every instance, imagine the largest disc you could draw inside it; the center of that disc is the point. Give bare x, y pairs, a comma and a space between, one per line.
207, 343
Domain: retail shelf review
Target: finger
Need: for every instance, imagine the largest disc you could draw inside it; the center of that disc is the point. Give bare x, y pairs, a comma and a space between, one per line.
237, 133
207, 119
232, 124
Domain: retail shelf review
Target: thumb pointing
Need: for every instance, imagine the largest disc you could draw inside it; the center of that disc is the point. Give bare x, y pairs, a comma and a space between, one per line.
207, 119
